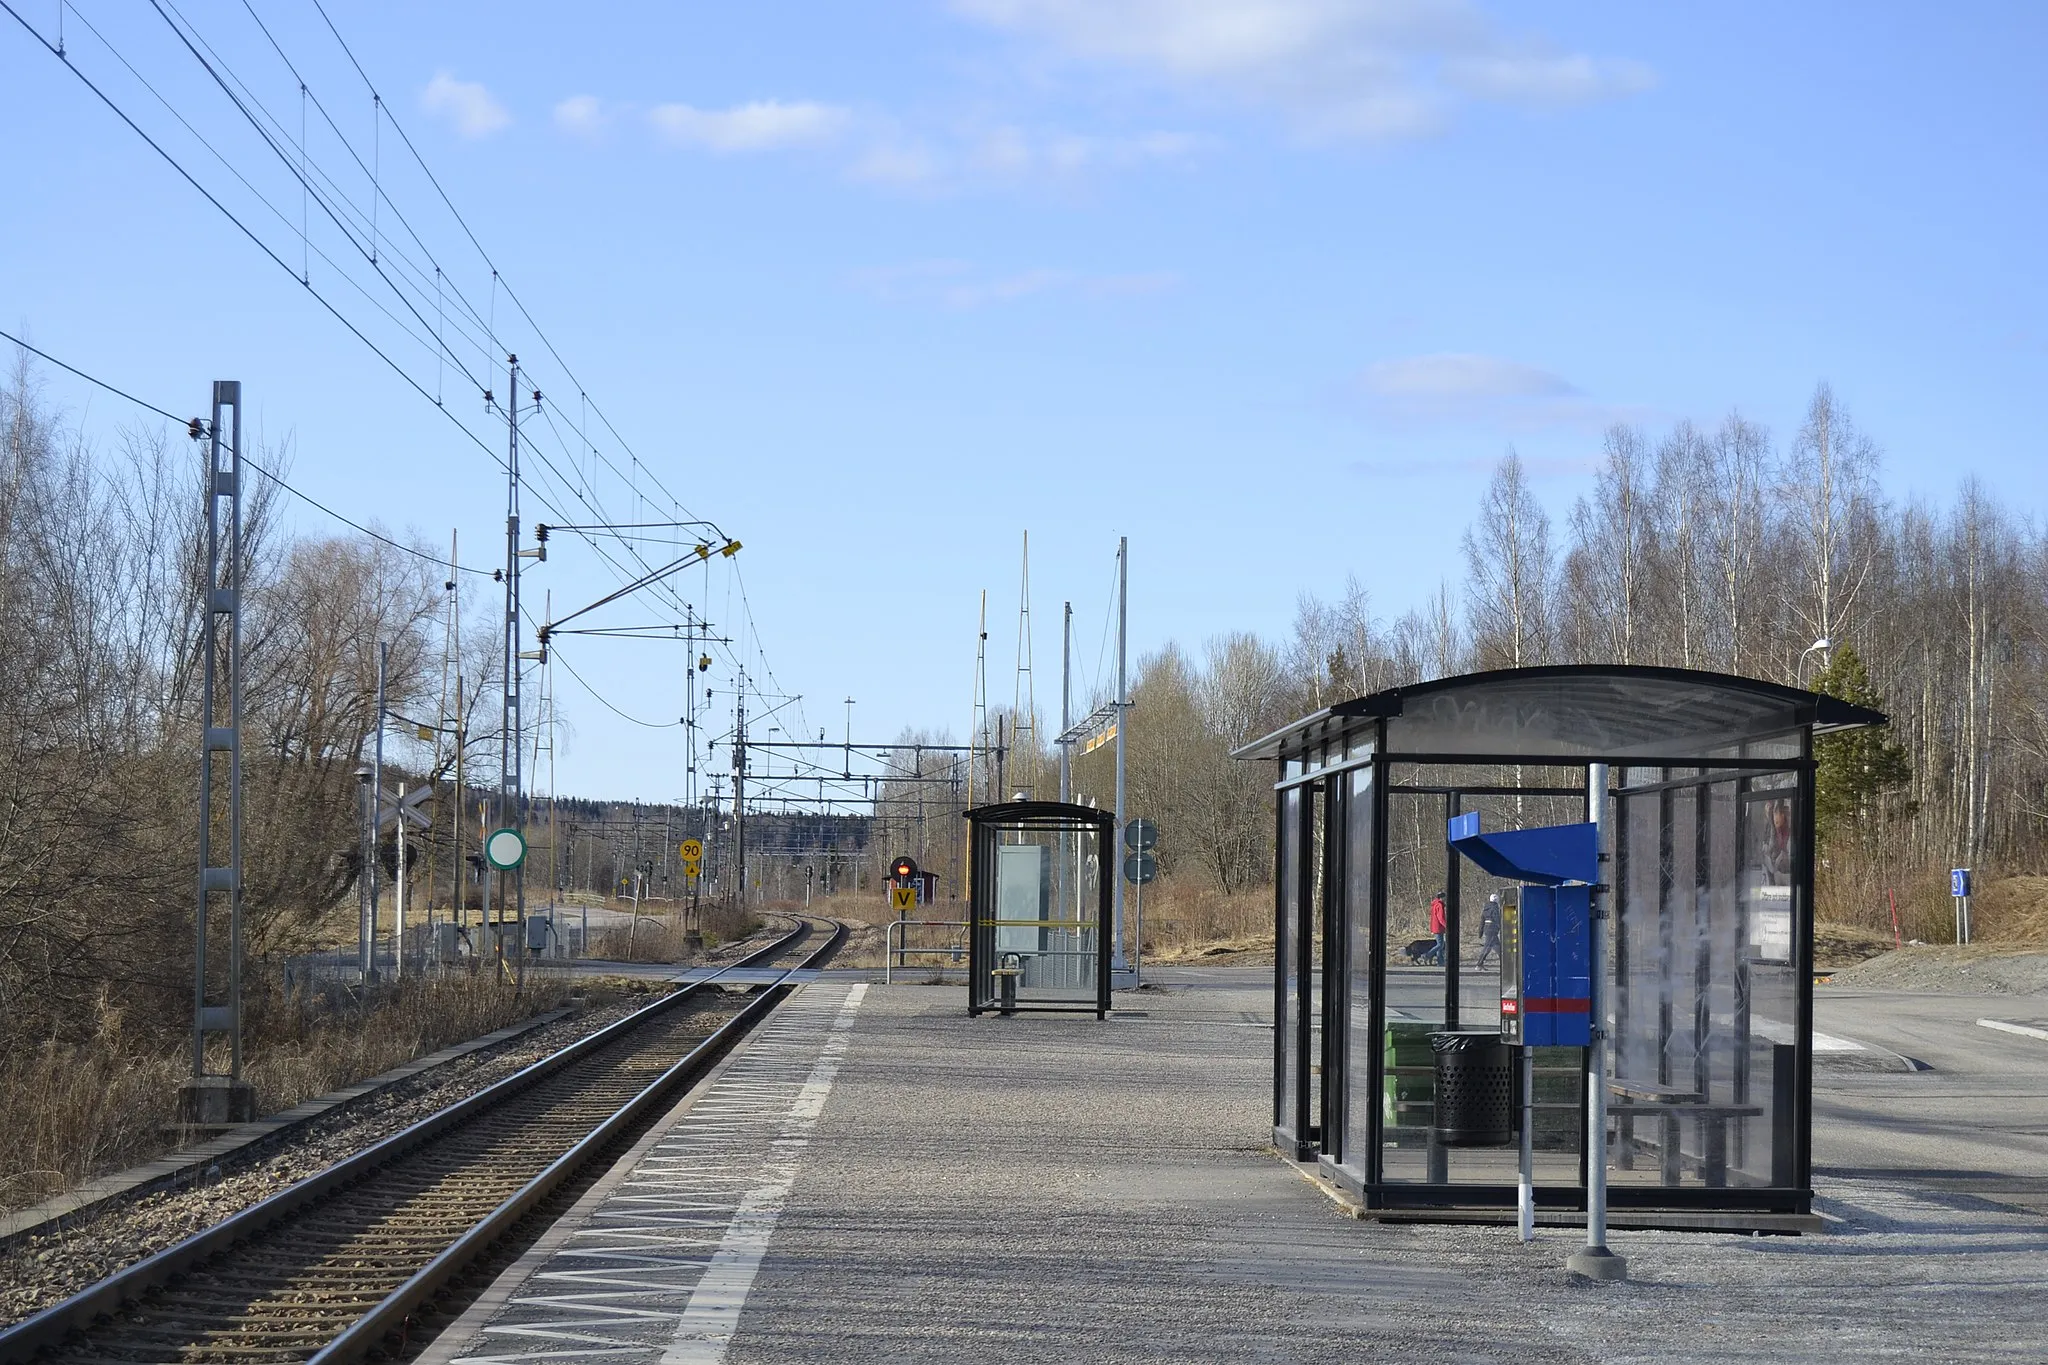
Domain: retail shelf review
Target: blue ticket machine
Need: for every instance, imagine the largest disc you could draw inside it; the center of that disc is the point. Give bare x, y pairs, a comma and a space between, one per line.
1546, 981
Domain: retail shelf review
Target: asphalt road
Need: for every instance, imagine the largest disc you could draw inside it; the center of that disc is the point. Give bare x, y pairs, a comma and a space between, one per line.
1972, 1127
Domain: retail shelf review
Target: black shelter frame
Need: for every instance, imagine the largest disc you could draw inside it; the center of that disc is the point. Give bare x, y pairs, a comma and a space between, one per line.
1709, 982
1064, 961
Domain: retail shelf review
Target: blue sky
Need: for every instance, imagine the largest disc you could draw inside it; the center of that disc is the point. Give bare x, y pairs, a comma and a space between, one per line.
1265, 285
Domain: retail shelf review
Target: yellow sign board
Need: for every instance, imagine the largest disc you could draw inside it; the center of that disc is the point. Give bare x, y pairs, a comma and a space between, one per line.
691, 849
692, 868
903, 898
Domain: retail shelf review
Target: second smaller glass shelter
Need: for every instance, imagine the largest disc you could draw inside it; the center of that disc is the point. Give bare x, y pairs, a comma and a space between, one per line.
1039, 902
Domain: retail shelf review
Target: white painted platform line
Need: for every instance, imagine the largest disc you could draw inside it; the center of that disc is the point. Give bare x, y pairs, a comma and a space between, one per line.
713, 1314
664, 1266
2023, 1030
1779, 1032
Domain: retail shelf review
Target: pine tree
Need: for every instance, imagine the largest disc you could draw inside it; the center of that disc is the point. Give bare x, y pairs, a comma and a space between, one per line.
1856, 767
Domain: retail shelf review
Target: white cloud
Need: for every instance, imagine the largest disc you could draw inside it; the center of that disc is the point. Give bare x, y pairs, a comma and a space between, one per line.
1340, 68
1540, 78
762, 125
1006, 154
1483, 390
583, 115
896, 162
1460, 377
959, 284
467, 104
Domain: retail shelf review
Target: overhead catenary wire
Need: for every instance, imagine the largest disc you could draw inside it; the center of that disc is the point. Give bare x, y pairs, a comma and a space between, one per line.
606, 702
263, 246
296, 492
246, 231
403, 271
510, 293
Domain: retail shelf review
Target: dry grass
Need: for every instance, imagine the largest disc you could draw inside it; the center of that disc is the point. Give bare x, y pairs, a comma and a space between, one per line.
661, 939
1845, 945
2011, 910
72, 1112
1861, 886
1187, 920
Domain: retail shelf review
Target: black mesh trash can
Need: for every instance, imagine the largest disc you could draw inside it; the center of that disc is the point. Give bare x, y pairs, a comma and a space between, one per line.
1475, 1090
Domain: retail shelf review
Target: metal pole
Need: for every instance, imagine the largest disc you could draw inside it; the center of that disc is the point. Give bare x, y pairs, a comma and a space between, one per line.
398, 916
1115, 855
1066, 702
510, 806
234, 397
1137, 929
377, 801
739, 787
1594, 1260
220, 733
1525, 1195
633, 929
487, 876
366, 854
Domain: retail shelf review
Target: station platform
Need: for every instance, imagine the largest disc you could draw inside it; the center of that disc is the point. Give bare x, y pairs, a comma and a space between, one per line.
874, 1176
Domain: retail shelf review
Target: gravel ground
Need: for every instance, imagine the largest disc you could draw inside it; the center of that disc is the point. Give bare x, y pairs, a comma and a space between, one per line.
1973, 969
41, 1270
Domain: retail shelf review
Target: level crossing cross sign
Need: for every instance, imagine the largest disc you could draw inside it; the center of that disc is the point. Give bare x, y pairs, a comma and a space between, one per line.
903, 898
391, 808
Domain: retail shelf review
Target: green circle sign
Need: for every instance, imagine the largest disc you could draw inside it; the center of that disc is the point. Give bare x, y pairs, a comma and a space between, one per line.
504, 849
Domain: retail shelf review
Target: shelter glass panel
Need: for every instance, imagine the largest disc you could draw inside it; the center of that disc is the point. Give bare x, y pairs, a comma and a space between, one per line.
1706, 995
1316, 882
1443, 969
1356, 1009
1288, 1018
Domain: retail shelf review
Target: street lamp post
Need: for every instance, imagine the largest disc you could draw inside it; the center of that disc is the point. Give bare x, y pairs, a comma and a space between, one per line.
1823, 644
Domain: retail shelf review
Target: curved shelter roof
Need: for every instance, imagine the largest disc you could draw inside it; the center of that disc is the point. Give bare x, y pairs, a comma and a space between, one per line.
1041, 812
1574, 712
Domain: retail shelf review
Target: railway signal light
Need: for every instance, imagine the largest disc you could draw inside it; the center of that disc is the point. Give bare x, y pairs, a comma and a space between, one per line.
903, 870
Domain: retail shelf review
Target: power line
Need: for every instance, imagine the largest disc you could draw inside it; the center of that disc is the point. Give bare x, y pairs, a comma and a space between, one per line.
510, 293
606, 703
298, 493
246, 231
564, 483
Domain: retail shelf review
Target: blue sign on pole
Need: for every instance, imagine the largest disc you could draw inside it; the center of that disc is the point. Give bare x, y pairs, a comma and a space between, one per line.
1959, 881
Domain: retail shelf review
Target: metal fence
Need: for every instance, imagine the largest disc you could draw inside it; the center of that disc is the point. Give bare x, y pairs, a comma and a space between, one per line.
897, 946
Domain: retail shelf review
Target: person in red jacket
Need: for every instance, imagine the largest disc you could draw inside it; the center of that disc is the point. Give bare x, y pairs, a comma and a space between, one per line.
1437, 924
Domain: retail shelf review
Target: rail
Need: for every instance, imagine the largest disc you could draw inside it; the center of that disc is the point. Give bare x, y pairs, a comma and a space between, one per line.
894, 949
50, 1327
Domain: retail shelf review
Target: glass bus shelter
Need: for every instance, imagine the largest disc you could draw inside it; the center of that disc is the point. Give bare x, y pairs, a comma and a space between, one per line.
1039, 906
1709, 984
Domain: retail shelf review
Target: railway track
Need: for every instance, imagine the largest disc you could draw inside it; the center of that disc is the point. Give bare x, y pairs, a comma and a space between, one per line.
345, 1263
